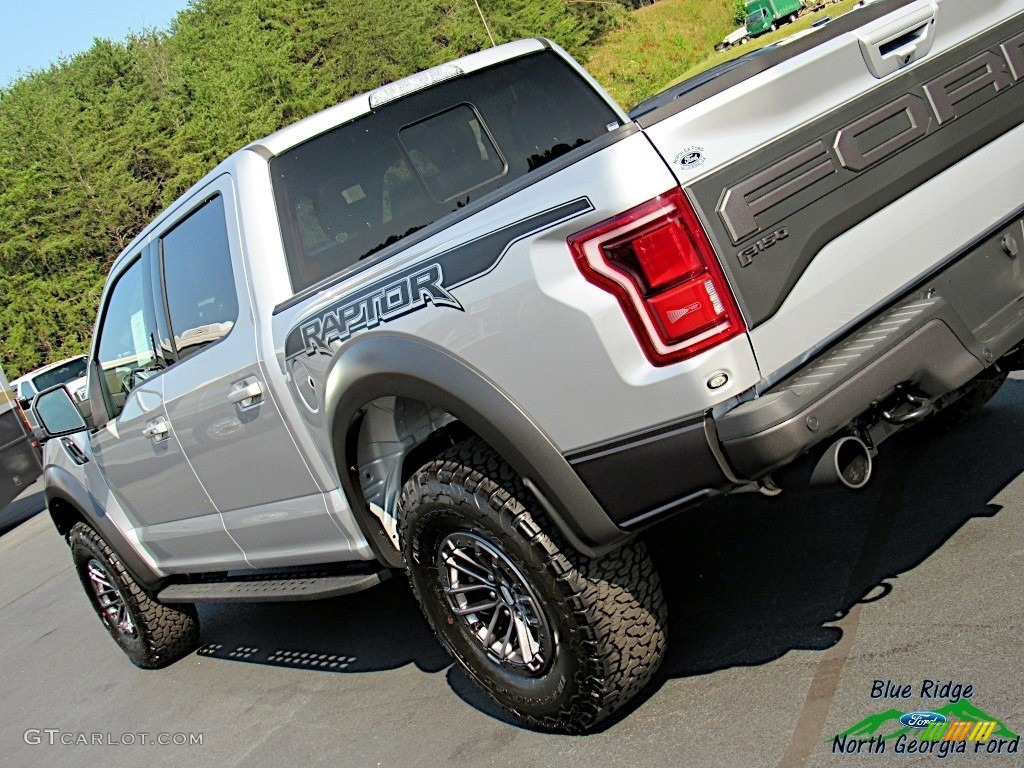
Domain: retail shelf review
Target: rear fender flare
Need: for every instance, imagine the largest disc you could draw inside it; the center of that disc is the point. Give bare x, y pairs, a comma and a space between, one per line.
388, 364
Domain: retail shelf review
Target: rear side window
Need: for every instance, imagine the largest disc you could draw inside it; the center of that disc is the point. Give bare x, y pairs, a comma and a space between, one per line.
365, 185
198, 279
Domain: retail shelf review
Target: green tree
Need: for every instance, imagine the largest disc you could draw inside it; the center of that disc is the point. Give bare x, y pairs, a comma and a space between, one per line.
739, 11
94, 146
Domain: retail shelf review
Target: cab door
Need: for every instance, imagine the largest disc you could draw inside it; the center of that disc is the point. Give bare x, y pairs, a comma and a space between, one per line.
140, 463
220, 407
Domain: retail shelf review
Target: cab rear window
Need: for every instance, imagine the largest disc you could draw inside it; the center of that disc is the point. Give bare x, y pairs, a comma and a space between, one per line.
347, 194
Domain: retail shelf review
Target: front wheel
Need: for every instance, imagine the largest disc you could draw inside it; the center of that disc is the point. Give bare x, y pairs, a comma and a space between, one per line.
558, 639
151, 634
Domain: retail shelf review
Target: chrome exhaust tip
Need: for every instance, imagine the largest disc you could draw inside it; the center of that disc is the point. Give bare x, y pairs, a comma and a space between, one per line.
847, 462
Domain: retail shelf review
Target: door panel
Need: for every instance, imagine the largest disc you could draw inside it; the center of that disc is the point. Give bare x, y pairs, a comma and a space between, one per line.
219, 404
138, 456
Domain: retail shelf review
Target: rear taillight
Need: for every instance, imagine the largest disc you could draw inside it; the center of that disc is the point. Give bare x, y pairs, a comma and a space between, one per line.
657, 261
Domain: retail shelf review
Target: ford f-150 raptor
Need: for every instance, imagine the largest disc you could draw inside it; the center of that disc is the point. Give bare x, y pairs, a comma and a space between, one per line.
480, 325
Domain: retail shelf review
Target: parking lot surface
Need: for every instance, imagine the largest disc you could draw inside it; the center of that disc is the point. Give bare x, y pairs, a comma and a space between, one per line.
787, 615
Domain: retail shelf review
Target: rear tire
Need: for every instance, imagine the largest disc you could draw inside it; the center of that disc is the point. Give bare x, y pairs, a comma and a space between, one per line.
152, 634
558, 639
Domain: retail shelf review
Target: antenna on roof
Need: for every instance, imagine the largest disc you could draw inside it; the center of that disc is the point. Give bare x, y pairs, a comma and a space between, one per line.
480, 11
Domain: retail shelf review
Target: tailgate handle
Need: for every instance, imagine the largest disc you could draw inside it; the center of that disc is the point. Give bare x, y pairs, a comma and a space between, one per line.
892, 45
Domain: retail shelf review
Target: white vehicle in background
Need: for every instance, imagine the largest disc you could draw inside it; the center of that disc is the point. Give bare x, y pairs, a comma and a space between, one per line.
737, 37
70, 372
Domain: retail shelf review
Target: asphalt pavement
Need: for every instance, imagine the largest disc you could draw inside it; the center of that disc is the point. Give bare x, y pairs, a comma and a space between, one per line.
793, 620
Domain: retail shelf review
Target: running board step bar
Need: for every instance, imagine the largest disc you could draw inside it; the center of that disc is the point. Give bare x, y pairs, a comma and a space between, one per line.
272, 590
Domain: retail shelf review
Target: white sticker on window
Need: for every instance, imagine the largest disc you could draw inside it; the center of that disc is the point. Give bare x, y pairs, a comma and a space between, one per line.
353, 194
140, 339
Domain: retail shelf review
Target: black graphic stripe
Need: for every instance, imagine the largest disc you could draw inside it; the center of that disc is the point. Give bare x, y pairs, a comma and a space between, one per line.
428, 282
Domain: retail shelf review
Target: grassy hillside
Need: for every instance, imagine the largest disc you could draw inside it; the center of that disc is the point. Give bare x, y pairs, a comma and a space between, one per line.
663, 41
801, 24
675, 39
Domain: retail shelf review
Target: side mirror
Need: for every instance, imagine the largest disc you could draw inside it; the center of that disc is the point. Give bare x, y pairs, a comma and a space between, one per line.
57, 413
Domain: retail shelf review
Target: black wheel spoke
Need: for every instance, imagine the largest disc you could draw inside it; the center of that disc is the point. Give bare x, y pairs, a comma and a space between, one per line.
112, 606
468, 567
506, 644
510, 611
467, 588
471, 609
486, 640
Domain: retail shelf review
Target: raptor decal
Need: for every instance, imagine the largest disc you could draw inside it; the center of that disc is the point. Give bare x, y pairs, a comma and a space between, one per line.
429, 282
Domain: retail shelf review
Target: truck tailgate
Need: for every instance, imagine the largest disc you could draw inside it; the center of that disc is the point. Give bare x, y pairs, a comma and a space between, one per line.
830, 186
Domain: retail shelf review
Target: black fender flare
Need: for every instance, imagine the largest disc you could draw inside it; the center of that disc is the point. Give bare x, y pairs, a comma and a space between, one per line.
390, 364
63, 488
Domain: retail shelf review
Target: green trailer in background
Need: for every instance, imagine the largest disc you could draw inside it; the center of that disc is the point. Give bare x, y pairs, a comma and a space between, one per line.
765, 15
19, 463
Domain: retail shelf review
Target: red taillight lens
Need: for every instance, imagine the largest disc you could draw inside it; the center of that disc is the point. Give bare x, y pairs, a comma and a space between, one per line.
657, 261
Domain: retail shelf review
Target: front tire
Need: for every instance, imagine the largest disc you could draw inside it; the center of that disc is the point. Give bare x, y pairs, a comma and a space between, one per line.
152, 634
558, 639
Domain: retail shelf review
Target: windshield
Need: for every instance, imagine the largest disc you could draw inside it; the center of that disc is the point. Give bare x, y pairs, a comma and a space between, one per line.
756, 16
62, 374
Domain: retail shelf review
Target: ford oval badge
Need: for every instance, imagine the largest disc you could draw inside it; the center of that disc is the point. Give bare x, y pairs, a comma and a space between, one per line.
691, 157
921, 719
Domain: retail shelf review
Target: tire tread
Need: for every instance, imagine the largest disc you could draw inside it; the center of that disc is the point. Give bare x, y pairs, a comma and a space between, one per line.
166, 632
616, 599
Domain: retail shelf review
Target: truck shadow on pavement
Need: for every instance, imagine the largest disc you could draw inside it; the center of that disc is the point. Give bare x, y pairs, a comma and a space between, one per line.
381, 628
21, 509
747, 578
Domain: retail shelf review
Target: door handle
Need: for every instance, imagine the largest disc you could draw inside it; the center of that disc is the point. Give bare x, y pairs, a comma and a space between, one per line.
157, 429
246, 394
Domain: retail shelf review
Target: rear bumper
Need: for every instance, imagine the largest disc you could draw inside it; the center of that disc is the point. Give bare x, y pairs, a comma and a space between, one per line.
934, 340
949, 329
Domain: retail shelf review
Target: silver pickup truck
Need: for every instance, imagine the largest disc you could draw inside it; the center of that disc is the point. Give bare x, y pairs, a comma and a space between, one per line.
481, 326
